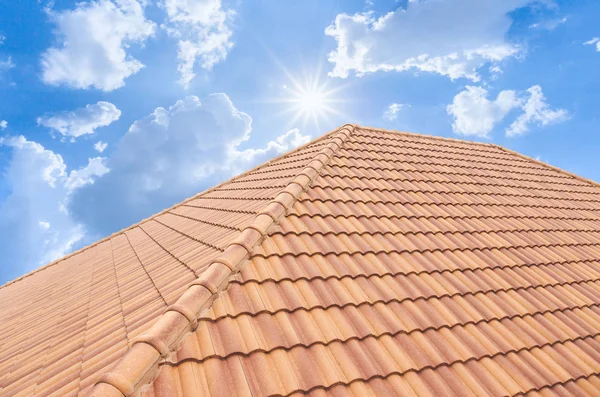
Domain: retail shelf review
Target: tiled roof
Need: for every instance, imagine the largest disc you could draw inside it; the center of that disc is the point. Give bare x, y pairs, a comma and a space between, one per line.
64, 325
365, 263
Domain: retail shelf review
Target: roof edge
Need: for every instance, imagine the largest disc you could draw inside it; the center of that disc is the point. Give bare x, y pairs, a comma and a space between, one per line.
557, 169
139, 365
425, 136
206, 191
486, 144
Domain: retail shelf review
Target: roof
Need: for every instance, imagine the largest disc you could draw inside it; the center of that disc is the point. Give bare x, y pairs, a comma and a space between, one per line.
367, 262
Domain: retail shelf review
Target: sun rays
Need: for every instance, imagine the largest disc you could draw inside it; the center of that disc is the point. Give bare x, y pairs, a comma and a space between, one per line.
310, 99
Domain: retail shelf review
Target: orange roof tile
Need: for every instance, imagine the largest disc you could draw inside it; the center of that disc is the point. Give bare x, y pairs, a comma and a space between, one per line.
367, 262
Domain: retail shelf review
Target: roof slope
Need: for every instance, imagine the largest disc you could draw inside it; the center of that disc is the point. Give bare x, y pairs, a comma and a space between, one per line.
411, 266
70, 321
380, 263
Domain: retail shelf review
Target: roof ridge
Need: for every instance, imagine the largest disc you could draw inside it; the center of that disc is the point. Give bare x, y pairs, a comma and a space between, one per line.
139, 365
425, 136
546, 165
151, 217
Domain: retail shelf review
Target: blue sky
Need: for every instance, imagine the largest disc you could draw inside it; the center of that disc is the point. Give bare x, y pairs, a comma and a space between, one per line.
111, 110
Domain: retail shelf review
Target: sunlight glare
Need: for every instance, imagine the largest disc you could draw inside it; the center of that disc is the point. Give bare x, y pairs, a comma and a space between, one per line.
310, 100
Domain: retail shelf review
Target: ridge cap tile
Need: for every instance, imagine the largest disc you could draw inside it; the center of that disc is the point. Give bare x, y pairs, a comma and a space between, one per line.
132, 371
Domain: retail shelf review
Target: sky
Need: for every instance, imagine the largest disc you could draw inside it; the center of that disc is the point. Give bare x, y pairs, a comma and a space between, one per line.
112, 110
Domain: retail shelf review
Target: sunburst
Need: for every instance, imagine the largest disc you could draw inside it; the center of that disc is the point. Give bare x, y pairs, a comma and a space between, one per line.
311, 99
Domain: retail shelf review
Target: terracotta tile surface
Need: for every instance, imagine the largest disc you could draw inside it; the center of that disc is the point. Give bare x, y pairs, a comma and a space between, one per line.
367, 263
67, 323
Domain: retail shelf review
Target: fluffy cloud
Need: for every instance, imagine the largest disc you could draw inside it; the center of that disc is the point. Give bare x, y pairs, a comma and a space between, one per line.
86, 175
82, 121
3, 124
34, 217
283, 143
100, 146
594, 41
391, 112
202, 27
536, 111
169, 155
92, 43
452, 38
476, 115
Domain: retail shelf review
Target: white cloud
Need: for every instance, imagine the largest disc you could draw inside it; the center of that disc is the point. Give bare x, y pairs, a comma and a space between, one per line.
451, 38
391, 112
496, 70
202, 27
92, 44
86, 175
35, 225
549, 24
6, 64
476, 115
100, 146
283, 143
82, 121
3, 124
593, 41
169, 155
536, 111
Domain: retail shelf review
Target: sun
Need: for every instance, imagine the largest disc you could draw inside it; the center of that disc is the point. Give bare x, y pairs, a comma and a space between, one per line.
310, 99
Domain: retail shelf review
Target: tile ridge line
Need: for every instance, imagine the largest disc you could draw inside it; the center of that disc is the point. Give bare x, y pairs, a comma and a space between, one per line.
425, 136
546, 165
140, 364
151, 217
